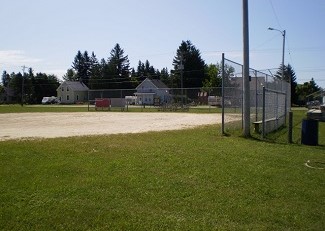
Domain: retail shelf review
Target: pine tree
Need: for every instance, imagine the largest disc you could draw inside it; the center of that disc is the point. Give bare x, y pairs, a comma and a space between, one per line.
193, 65
165, 77
81, 65
119, 66
141, 71
95, 72
5, 90
289, 76
5, 79
70, 75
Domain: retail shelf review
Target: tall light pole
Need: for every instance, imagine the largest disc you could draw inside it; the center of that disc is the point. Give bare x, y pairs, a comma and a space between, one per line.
283, 48
246, 87
288, 97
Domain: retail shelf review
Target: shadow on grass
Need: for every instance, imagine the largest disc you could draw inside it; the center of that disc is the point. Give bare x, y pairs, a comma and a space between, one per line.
279, 136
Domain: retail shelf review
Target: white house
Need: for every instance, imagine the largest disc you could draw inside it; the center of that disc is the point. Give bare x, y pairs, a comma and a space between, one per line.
70, 92
152, 92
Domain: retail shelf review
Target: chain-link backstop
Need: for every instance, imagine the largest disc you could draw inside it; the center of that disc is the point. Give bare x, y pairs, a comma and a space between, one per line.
269, 98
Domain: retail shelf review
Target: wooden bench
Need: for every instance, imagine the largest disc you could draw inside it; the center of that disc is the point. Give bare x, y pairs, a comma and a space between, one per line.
258, 123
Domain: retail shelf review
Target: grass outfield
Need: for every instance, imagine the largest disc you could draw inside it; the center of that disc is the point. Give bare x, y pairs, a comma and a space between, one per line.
177, 180
15, 108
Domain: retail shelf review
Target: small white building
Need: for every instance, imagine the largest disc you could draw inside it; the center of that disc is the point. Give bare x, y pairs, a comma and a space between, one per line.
152, 92
71, 92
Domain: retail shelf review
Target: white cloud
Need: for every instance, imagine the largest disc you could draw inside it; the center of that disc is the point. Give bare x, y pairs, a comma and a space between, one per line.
14, 58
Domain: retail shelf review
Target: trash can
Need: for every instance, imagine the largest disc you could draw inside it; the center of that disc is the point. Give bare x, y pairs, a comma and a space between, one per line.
309, 132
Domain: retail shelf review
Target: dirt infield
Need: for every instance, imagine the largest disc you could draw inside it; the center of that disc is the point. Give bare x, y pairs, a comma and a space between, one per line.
50, 125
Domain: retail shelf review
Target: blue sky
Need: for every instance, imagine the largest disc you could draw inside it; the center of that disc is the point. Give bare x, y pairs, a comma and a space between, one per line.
46, 35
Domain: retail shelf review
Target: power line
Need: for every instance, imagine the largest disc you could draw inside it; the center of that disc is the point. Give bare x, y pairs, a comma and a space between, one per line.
267, 41
275, 15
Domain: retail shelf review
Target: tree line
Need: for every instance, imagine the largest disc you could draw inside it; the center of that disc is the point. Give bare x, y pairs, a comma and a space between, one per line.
114, 72
299, 92
27, 87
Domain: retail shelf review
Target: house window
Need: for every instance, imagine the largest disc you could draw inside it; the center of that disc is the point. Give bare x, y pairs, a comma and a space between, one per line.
77, 97
62, 89
67, 89
68, 97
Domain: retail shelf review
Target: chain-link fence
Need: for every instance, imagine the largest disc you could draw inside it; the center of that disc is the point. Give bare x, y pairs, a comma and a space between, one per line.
269, 98
161, 99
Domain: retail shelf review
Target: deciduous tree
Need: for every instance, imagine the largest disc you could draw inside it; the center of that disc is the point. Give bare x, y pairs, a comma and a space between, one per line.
304, 91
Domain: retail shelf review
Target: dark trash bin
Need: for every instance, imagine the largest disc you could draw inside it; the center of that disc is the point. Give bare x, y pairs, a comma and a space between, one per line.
309, 132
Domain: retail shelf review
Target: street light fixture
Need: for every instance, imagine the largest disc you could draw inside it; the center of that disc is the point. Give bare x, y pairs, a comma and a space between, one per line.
284, 37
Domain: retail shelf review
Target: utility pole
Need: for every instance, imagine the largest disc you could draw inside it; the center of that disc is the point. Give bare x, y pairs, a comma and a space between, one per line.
283, 50
288, 88
22, 86
246, 88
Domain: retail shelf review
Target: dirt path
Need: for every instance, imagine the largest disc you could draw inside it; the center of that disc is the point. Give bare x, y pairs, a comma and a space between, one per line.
50, 125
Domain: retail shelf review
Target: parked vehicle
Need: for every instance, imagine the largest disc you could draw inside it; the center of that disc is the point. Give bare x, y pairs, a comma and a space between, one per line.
50, 100
217, 101
214, 101
313, 104
130, 100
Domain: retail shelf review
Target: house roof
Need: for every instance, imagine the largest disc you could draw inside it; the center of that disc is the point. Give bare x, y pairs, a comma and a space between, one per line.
75, 85
156, 82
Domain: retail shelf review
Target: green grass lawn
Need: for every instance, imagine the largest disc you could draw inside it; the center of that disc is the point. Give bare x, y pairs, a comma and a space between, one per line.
281, 136
15, 108
177, 180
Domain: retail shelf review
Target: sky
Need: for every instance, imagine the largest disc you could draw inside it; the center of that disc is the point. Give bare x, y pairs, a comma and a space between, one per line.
46, 35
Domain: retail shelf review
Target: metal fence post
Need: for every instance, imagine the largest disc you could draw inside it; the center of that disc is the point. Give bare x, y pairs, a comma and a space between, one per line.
263, 114
290, 127
223, 96
285, 108
256, 96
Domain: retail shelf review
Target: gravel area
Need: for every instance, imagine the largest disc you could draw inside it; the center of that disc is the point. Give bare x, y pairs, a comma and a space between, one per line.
50, 125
